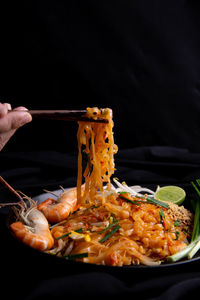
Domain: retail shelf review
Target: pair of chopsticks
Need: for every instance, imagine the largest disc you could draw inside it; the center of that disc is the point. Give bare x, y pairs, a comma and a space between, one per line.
64, 115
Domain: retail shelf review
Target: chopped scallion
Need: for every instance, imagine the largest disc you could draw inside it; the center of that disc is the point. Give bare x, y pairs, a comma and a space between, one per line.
181, 254
162, 215
128, 200
194, 245
107, 236
177, 223
157, 202
108, 227
80, 230
76, 256
177, 235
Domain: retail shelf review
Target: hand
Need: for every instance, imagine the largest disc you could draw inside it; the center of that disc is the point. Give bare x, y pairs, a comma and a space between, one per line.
10, 122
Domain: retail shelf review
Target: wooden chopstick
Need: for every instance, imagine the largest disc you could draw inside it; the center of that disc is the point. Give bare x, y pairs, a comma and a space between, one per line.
65, 115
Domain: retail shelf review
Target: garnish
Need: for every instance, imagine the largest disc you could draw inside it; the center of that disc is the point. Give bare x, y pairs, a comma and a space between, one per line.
108, 227
80, 230
196, 228
94, 206
162, 218
149, 199
183, 253
162, 215
177, 223
170, 193
157, 202
177, 235
76, 256
128, 200
107, 236
194, 245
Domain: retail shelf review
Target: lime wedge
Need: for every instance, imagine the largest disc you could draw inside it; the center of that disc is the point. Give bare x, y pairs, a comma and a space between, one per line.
171, 193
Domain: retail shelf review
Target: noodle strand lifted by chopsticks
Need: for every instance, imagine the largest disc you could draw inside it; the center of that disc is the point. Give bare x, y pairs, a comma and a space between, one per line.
97, 142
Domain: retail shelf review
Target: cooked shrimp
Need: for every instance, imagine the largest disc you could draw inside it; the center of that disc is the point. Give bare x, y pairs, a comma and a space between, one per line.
58, 210
35, 232
34, 228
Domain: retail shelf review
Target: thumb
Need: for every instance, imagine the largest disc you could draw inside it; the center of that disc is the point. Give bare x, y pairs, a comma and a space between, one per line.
14, 120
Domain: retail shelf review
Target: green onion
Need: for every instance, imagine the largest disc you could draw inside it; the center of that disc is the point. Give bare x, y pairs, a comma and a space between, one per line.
162, 216
107, 236
181, 254
157, 202
94, 206
196, 228
148, 200
195, 231
177, 235
128, 200
113, 217
177, 223
194, 245
76, 256
194, 250
108, 227
67, 234
63, 236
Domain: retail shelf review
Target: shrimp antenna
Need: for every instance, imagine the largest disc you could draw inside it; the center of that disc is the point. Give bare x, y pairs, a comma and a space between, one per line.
32, 203
50, 192
62, 188
12, 190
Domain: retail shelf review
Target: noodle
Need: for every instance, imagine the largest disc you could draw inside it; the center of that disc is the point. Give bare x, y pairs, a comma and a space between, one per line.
98, 143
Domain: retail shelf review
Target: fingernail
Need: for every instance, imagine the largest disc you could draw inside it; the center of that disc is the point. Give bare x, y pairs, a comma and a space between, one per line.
20, 108
3, 110
8, 106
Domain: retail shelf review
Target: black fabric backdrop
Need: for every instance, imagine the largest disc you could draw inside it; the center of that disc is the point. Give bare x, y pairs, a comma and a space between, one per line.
141, 58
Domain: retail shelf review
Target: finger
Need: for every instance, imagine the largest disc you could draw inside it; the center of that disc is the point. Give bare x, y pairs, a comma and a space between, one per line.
20, 108
3, 110
9, 107
14, 120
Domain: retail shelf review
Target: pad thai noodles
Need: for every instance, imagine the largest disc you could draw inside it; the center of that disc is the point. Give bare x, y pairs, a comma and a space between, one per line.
103, 221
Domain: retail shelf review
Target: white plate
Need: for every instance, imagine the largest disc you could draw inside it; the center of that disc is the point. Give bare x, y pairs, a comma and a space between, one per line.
40, 198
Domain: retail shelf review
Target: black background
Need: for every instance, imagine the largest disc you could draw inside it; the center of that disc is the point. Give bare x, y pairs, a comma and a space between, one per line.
140, 58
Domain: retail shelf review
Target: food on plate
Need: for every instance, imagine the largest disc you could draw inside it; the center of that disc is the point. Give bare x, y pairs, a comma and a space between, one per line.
103, 221
124, 230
